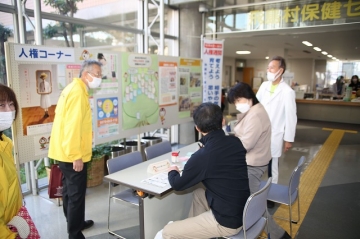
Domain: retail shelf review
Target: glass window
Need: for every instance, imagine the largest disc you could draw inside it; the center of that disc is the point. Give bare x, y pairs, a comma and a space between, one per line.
113, 39
7, 27
120, 12
6, 2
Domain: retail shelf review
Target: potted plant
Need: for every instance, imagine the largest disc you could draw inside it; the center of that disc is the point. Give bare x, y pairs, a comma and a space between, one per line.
95, 168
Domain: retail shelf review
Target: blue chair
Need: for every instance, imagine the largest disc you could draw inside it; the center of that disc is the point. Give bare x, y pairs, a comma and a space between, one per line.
255, 214
157, 150
288, 194
114, 165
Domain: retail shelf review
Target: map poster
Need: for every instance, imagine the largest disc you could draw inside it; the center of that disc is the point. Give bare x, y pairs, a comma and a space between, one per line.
107, 116
190, 86
140, 90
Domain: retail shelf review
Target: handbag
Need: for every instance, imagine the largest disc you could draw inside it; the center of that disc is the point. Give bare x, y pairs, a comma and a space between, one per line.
23, 225
55, 183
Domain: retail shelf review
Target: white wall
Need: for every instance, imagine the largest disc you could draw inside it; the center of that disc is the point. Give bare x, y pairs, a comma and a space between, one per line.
230, 61
302, 69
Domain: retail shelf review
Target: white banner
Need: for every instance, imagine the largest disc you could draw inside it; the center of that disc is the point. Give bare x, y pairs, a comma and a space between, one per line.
43, 54
212, 56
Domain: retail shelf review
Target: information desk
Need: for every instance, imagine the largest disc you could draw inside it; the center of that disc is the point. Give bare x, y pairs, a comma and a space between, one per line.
163, 204
329, 110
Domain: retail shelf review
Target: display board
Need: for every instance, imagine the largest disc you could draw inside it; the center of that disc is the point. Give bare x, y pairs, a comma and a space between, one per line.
139, 93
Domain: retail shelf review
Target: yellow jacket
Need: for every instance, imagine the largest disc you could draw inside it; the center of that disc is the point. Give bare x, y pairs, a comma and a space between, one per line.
10, 192
71, 135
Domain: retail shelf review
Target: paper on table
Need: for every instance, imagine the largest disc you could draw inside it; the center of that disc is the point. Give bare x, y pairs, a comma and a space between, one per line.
160, 180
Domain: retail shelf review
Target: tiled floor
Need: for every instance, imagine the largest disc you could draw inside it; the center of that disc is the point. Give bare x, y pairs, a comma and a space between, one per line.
50, 220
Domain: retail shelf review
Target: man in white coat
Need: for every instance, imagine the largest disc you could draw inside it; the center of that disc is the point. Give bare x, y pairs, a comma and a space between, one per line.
278, 99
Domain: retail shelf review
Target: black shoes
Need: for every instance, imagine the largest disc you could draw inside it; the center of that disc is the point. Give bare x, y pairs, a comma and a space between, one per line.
285, 236
88, 224
270, 204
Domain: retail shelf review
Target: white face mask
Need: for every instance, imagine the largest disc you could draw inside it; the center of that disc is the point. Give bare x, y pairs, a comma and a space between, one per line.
272, 76
95, 83
6, 119
242, 107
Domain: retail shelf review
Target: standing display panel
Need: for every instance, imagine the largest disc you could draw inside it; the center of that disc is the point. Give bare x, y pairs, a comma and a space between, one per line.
139, 93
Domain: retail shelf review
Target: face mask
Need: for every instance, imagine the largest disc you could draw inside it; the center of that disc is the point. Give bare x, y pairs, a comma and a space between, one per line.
272, 76
242, 107
6, 119
95, 83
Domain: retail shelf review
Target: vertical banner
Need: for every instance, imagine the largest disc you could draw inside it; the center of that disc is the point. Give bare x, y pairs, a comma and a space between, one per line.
212, 56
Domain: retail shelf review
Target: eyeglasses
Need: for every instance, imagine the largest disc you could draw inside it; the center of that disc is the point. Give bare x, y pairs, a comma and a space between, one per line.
96, 75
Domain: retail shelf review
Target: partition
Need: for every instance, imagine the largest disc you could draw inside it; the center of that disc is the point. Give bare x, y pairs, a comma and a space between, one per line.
139, 93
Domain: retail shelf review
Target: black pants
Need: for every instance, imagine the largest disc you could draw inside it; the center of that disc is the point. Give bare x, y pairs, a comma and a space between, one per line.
74, 190
269, 169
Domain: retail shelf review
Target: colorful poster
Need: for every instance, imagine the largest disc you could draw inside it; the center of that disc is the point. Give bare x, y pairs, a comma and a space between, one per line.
38, 97
140, 90
110, 82
189, 86
168, 83
41, 144
107, 116
212, 55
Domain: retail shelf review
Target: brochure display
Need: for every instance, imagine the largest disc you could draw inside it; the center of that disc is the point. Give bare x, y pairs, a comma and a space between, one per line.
139, 93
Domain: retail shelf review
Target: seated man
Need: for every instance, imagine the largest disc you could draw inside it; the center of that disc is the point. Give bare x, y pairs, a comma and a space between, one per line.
221, 166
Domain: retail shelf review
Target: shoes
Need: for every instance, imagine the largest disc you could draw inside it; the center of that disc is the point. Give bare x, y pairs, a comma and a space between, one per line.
88, 224
46, 115
285, 236
270, 204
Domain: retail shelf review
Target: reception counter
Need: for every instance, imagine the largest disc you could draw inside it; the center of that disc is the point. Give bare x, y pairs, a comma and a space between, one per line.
329, 110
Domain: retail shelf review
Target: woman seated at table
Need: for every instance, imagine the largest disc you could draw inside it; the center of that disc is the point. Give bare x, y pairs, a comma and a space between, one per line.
254, 132
355, 84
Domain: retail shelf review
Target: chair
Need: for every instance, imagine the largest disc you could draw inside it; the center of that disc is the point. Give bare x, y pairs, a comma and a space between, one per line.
114, 165
254, 220
157, 150
288, 194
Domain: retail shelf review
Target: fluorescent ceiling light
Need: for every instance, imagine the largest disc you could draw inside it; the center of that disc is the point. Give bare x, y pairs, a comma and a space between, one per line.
243, 52
337, 60
317, 49
334, 58
266, 57
329, 56
324, 53
307, 43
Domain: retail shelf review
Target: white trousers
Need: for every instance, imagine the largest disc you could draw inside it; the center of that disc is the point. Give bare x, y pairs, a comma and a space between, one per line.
275, 170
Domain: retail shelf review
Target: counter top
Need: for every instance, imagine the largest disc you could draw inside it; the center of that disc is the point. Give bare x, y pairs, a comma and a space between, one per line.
328, 102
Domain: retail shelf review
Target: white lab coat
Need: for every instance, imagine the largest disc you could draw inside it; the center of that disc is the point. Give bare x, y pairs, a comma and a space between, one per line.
281, 108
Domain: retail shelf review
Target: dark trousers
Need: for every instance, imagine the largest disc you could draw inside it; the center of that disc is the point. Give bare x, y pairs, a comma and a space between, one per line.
74, 190
269, 169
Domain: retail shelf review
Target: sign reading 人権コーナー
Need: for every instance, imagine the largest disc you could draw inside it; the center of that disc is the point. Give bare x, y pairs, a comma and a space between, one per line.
212, 55
43, 54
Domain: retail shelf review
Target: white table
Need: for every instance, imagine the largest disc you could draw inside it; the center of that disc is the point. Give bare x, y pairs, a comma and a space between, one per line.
163, 204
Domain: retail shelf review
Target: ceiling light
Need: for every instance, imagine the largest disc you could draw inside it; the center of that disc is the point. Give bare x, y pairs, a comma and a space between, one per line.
307, 43
324, 53
243, 52
266, 57
317, 49
334, 58
329, 56
337, 60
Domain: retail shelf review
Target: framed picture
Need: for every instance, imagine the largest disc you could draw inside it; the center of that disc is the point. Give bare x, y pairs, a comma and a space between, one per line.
43, 82
256, 83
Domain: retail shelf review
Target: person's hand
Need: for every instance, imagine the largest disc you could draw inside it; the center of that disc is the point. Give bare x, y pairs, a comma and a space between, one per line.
78, 165
173, 167
288, 145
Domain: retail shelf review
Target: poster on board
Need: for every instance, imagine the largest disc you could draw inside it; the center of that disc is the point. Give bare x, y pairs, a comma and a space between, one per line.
190, 86
140, 90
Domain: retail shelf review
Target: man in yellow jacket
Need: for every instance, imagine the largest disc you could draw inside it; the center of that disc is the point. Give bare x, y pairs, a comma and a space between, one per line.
71, 143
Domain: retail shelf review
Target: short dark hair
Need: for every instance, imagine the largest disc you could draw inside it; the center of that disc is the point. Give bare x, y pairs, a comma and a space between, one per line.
282, 62
87, 65
7, 94
208, 117
241, 90
355, 76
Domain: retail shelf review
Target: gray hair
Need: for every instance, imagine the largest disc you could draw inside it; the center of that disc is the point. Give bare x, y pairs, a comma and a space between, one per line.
87, 65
